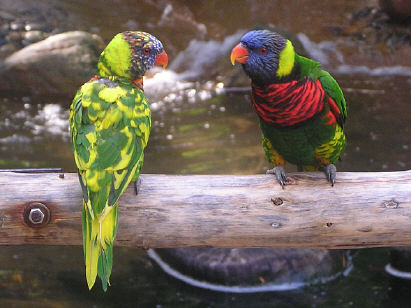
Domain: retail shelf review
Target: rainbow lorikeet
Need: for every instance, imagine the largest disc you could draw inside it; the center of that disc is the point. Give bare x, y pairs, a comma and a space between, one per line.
110, 125
301, 107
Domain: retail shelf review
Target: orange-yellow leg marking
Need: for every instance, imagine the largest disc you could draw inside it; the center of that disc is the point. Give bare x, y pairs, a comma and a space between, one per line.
271, 154
277, 160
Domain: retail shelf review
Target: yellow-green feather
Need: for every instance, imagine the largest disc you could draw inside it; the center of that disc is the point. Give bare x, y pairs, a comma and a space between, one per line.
270, 153
330, 151
110, 125
115, 60
286, 60
98, 237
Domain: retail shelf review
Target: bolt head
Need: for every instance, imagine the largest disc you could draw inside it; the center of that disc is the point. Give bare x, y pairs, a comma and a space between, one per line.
36, 216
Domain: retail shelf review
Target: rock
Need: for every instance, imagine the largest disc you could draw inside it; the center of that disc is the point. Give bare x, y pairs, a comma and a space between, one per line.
43, 27
400, 262
6, 16
56, 66
14, 37
33, 36
17, 26
398, 10
253, 267
6, 49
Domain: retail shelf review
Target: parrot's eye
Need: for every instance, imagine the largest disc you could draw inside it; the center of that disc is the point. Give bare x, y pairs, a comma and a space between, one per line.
263, 51
146, 51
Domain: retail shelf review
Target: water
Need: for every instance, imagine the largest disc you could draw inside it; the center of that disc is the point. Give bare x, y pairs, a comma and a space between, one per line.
200, 129
204, 132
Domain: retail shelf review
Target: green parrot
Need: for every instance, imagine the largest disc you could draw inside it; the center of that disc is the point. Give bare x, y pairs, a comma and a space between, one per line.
110, 125
301, 107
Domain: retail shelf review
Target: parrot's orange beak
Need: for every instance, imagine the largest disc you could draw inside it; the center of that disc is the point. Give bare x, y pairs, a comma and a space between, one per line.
239, 54
161, 60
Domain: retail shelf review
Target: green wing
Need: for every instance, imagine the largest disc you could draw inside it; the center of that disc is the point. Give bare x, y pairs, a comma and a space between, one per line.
333, 140
332, 88
110, 125
312, 69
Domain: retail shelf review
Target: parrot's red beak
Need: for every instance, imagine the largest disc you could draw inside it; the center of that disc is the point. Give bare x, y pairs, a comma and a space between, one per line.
161, 60
239, 54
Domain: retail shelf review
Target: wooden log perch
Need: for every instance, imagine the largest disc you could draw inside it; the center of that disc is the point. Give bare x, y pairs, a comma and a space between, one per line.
361, 210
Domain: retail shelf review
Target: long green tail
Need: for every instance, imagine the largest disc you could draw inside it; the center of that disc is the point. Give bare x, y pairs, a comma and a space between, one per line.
98, 237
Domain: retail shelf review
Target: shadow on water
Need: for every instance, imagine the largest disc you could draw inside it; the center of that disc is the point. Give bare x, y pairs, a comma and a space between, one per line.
197, 130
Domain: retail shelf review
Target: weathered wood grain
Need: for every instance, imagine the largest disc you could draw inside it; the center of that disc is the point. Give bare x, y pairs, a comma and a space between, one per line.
361, 210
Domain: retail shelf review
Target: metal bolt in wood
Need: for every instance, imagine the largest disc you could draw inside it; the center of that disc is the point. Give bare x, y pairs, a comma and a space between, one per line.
36, 214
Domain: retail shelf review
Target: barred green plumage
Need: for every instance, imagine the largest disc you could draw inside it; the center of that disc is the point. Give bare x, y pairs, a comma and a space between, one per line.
110, 125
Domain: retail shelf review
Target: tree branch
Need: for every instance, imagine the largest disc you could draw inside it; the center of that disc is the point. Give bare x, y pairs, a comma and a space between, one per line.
361, 210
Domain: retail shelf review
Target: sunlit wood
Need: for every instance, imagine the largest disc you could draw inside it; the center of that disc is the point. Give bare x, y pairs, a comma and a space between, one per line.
361, 210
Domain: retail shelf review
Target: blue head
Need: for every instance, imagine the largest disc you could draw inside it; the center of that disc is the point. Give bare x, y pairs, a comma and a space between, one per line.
146, 51
263, 55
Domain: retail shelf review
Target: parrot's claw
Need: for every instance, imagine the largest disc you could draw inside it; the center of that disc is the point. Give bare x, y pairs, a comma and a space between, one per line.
137, 185
279, 173
331, 173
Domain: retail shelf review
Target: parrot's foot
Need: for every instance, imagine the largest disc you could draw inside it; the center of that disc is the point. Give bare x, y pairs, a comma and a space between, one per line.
331, 173
279, 173
137, 185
